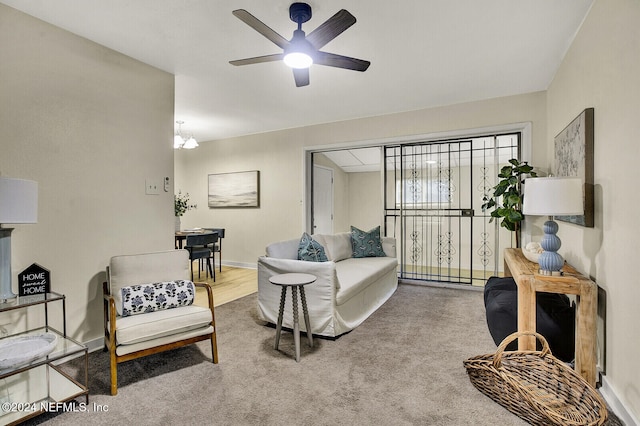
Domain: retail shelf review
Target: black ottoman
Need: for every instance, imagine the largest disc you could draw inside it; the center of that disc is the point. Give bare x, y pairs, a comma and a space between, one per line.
555, 317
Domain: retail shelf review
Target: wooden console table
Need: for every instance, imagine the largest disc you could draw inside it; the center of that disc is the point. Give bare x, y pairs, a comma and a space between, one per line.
525, 273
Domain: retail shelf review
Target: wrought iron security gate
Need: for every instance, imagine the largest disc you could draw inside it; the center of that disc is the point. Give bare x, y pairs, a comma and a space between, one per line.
433, 197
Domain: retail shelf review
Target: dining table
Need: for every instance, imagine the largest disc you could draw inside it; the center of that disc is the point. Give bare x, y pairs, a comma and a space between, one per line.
182, 235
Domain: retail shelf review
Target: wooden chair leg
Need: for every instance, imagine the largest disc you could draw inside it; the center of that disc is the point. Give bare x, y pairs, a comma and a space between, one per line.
114, 373
214, 348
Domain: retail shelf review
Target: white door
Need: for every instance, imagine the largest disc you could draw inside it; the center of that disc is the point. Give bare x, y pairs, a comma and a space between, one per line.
322, 200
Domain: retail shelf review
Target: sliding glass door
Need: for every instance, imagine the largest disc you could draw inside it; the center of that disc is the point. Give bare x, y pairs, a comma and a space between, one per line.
433, 196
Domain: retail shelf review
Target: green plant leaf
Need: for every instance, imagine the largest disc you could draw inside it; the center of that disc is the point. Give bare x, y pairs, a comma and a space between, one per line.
501, 187
513, 200
525, 168
514, 216
506, 224
505, 172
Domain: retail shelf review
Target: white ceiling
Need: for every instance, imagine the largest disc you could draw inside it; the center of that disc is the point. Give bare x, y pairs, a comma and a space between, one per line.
423, 53
356, 160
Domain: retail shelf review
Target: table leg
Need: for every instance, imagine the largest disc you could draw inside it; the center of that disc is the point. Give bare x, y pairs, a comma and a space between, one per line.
283, 294
296, 324
307, 323
526, 314
586, 352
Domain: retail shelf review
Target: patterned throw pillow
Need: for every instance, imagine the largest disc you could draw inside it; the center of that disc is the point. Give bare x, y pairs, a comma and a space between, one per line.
366, 244
144, 298
311, 250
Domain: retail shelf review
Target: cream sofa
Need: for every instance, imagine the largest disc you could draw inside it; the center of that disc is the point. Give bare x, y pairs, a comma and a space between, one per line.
347, 290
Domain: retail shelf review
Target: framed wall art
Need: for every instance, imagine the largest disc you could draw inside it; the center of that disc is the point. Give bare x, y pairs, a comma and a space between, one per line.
574, 157
237, 189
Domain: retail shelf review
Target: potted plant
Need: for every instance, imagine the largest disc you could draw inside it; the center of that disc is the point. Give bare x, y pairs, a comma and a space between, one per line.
181, 205
509, 212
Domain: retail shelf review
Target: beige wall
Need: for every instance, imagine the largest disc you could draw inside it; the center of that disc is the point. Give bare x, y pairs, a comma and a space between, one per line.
365, 201
602, 70
89, 125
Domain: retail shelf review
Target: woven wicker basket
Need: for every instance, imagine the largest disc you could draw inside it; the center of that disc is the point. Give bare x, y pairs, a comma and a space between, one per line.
536, 386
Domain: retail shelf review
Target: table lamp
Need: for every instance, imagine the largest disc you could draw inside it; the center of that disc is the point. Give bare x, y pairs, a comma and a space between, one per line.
552, 196
18, 204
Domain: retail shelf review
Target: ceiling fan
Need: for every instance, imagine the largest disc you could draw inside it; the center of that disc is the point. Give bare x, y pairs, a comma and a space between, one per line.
303, 50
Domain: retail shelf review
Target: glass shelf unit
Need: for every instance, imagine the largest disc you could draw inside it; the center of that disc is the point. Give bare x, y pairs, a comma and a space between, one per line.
30, 389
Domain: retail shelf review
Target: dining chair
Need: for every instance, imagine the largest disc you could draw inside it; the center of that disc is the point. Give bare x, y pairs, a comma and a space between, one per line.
218, 246
201, 247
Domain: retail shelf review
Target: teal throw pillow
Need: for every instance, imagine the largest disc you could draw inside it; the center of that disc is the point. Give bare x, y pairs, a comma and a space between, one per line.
366, 244
311, 250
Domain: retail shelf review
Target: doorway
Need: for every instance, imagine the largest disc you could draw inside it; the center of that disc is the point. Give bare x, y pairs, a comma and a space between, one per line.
322, 200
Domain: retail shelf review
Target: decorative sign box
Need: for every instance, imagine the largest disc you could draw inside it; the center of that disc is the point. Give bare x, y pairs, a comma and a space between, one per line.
34, 280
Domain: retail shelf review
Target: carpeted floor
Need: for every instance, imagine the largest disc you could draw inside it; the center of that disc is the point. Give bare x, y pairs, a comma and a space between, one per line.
403, 366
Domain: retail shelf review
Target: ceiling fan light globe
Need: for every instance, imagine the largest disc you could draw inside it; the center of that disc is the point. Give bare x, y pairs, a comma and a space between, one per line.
298, 60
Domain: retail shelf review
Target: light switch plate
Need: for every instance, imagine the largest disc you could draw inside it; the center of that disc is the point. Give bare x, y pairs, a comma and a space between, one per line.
152, 186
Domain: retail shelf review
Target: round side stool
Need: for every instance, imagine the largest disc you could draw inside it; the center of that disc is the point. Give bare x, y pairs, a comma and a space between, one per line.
294, 281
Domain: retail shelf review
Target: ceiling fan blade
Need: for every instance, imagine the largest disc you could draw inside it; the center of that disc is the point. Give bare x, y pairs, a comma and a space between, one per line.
258, 59
301, 76
331, 28
339, 61
260, 27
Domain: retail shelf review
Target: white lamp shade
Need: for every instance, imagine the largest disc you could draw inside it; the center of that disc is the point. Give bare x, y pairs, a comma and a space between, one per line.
178, 141
190, 143
18, 200
553, 196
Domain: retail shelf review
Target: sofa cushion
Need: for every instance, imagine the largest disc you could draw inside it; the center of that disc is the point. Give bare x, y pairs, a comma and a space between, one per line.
354, 274
140, 328
145, 298
338, 246
366, 244
311, 250
283, 249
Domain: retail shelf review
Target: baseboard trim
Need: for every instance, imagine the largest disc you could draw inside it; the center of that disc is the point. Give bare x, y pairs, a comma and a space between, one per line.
240, 265
618, 407
439, 284
95, 344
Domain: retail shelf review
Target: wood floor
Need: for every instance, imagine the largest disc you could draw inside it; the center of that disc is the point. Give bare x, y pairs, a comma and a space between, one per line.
231, 284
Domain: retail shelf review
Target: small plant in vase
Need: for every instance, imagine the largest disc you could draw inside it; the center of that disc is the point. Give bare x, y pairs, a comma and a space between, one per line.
181, 205
509, 188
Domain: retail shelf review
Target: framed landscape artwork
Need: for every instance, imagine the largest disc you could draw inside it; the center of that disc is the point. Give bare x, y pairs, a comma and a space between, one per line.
238, 189
574, 157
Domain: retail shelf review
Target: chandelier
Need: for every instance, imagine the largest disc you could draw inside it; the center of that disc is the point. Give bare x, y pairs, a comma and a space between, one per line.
179, 141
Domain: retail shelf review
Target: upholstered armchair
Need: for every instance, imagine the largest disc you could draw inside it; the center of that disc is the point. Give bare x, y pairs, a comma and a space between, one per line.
148, 308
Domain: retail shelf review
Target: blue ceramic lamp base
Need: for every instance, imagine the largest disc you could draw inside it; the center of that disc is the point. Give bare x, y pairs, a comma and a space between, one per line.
550, 261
